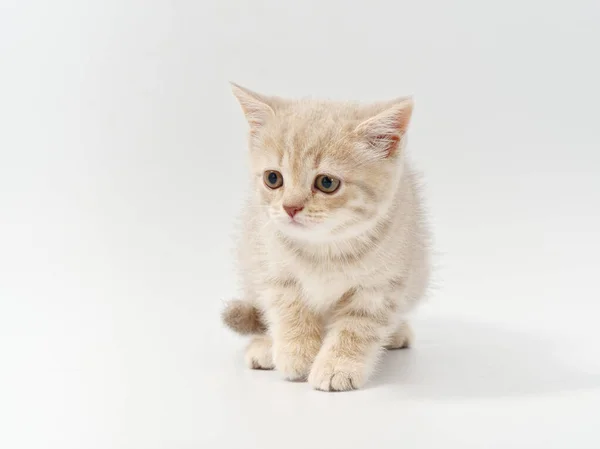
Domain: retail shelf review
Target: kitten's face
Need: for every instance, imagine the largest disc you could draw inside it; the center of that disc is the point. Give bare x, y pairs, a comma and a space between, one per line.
324, 170
314, 183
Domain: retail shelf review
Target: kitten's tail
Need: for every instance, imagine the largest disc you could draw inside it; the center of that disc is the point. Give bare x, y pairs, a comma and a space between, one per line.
243, 317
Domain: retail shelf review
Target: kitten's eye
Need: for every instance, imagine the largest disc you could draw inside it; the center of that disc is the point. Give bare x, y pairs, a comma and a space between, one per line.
273, 179
327, 184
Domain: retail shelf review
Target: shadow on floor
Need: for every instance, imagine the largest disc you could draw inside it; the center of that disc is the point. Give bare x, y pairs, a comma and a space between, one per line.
457, 359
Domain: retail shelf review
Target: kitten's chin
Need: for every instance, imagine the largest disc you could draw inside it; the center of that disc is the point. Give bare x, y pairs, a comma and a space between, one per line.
326, 232
295, 226
296, 229
308, 232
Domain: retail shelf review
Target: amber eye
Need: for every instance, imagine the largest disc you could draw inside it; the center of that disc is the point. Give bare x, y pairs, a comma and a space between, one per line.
273, 179
327, 184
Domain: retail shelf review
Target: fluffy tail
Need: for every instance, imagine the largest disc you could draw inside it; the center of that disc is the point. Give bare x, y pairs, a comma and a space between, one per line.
243, 317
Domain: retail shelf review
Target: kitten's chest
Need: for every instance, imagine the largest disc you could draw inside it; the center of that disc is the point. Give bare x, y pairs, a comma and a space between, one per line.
322, 285
323, 289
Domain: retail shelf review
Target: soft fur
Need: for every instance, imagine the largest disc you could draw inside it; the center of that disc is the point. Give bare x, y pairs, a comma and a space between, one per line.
326, 291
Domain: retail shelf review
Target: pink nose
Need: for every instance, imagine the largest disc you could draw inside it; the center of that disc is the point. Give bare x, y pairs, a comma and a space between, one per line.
293, 210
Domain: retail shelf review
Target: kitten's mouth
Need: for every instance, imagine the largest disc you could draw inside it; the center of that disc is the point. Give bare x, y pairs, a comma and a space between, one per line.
300, 224
297, 222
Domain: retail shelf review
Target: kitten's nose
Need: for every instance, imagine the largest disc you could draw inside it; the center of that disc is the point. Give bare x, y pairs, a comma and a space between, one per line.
292, 210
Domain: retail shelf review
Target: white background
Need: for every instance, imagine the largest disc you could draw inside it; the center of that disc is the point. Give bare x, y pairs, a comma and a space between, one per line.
123, 167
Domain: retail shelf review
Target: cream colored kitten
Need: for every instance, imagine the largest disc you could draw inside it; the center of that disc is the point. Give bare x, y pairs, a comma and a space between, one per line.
334, 248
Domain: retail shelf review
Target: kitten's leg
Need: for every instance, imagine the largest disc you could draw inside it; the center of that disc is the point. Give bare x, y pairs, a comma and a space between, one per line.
259, 353
296, 335
402, 338
355, 339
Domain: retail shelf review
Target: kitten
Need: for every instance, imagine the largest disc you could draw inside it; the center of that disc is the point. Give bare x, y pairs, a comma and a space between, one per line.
334, 247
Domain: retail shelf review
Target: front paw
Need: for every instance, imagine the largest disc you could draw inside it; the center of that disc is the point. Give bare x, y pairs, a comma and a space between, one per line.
294, 360
331, 373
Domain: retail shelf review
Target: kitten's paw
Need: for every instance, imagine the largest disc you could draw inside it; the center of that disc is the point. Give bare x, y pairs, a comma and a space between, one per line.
331, 374
402, 338
259, 353
294, 361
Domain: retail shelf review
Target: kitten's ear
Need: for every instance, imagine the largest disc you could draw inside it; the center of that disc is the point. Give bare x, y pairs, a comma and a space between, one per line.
382, 133
257, 108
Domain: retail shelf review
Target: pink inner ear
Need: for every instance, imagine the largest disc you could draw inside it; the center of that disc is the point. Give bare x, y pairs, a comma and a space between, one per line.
387, 142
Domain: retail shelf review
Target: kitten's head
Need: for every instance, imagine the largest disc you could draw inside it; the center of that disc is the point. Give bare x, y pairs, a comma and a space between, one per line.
324, 169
